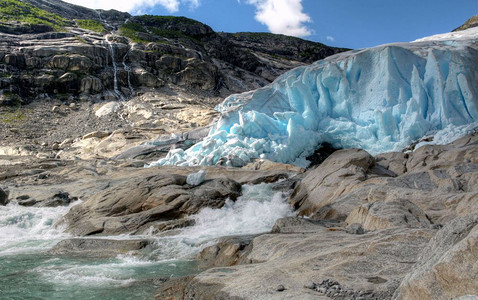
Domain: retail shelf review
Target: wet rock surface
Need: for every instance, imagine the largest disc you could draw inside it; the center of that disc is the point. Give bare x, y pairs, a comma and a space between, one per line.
378, 237
101, 248
3, 197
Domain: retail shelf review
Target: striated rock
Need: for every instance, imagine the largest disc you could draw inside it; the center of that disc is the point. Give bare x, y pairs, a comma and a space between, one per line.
446, 268
369, 265
393, 161
301, 225
382, 215
173, 289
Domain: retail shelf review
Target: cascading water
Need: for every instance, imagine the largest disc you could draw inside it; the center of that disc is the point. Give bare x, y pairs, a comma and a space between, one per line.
115, 71
27, 271
128, 70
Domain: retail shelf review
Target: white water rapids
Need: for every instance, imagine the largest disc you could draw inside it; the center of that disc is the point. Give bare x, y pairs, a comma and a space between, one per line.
27, 233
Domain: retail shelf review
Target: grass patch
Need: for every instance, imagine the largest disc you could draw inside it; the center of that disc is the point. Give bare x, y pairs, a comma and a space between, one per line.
92, 25
13, 10
14, 116
80, 39
131, 30
170, 27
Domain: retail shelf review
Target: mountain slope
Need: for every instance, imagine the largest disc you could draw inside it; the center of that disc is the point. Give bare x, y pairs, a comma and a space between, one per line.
61, 51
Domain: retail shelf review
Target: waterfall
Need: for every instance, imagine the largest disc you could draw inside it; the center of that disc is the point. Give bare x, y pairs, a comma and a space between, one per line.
115, 72
128, 70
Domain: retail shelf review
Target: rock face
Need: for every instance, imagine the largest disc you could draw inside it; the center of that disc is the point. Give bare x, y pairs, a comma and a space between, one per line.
446, 268
143, 53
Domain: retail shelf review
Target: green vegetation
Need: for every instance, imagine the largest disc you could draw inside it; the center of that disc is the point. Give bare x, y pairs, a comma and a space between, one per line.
13, 116
92, 25
171, 34
13, 10
80, 39
131, 30
157, 27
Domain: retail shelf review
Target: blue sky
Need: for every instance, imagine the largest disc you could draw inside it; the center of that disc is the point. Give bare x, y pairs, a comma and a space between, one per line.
342, 23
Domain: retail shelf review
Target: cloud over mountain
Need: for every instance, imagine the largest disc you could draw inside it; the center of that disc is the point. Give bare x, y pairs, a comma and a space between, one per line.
282, 16
136, 6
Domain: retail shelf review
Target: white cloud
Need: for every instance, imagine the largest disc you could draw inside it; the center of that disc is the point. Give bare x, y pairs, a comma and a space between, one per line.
330, 38
135, 6
282, 16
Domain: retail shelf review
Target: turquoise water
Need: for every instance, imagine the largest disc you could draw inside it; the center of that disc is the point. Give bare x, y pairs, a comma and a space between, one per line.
40, 276
27, 271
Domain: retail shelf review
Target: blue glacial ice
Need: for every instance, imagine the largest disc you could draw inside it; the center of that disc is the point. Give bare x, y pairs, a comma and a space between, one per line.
379, 99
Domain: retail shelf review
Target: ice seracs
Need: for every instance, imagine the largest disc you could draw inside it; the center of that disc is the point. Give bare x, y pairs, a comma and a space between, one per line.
378, 99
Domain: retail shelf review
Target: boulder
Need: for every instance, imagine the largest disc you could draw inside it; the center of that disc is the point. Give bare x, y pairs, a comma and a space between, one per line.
3, 198
228, 251
58, 199
108, 108
337, 175
101, 248
195, 179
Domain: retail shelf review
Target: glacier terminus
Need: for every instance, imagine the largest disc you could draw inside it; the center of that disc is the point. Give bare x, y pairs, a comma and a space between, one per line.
379, 99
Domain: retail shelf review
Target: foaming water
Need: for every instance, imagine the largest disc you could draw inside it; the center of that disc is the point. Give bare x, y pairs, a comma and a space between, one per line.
28, 271
254, 212
30, 229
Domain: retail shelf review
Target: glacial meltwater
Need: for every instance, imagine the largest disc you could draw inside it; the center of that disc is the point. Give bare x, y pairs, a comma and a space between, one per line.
27, 271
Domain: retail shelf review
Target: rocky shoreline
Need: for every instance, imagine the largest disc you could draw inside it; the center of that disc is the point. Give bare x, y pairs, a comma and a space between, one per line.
393, 226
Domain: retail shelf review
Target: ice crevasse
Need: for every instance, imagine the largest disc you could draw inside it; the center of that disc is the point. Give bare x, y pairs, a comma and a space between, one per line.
378, 99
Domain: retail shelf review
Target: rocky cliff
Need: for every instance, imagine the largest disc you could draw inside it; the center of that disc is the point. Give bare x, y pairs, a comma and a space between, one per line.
54, 49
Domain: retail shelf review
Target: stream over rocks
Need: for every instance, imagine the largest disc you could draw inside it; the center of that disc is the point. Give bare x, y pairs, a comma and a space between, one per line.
29, 268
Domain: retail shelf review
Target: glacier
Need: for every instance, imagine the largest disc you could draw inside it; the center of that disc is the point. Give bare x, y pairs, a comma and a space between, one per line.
379, 99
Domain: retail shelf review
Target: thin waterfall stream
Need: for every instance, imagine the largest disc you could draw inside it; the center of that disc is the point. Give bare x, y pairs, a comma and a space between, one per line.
115, 71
